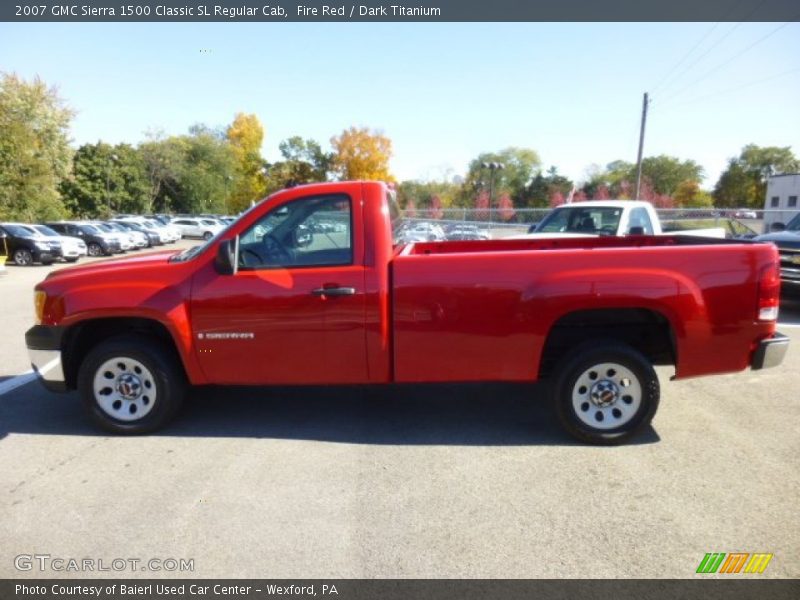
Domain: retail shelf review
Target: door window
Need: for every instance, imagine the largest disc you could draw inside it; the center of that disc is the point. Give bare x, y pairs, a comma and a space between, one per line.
308, 232
640, 218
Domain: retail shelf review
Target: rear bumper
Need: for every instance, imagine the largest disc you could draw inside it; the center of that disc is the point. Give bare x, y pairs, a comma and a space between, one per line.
770, 352
44, 350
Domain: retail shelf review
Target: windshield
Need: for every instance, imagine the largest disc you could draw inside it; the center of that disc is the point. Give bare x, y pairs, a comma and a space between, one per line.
19, 231
794, 224
582, 219
45, 230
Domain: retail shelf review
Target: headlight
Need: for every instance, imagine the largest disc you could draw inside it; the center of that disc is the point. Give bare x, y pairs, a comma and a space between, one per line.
42, 245
39, 298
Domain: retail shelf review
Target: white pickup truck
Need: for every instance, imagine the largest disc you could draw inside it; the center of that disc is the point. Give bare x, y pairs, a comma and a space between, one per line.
608, 217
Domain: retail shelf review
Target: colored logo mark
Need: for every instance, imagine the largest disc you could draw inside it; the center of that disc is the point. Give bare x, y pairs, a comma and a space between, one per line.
735, 562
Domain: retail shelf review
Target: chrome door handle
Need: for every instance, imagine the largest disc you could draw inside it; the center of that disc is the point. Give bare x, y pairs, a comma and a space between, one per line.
334, 291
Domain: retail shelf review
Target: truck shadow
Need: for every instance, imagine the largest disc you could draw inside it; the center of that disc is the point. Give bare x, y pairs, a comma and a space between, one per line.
448, 414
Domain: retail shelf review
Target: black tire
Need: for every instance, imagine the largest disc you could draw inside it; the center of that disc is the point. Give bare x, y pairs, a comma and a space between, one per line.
94, 249
23, 257
208, 235
603, 404
47, 262
72, 259
163, 371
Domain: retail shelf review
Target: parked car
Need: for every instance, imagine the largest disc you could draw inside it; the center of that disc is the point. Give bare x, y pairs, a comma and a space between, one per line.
590, 315
124, 239
25, 246
609, 218
150, 234
195, 227
137, 238
788, 243
98, 242
72, 248
168, 235
164, 221
745, 214
461, 232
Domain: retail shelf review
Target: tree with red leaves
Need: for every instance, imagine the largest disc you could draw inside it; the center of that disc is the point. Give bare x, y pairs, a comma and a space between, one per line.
506, 207
411, 209
601, 193
436, 211
556, 199
482, 205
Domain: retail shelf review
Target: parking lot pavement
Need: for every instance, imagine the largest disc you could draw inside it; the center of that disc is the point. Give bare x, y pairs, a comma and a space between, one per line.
16, 290
419, 481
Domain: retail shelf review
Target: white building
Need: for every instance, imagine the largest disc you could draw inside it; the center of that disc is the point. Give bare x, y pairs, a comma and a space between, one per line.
781, 205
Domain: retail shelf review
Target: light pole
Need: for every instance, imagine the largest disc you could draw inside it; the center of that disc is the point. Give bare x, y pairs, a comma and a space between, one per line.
493, 168
112, 158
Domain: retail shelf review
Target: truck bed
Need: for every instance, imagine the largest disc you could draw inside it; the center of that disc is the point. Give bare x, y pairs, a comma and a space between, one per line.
477, 310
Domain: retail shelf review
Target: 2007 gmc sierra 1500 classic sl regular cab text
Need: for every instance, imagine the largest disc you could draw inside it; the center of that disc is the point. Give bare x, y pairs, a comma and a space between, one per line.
307, 287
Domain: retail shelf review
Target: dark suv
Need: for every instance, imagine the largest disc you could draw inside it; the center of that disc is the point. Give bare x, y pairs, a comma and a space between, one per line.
24, 247
788, 242
97, 242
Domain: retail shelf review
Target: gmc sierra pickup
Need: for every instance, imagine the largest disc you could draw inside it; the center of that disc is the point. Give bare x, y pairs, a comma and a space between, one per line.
307, 287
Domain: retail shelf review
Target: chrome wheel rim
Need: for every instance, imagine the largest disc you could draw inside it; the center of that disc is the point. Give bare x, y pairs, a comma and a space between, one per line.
22, 257
94, 250
606, 396
124, 389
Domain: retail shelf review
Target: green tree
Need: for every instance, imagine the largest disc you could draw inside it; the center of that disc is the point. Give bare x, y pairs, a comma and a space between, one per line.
105, 180
520, 166
689, 195
34, 149
206, 176
744, 182
544, 185
424, 194
304, 161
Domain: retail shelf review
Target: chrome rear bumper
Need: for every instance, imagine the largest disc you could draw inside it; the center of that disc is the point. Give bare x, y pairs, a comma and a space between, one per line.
770, 352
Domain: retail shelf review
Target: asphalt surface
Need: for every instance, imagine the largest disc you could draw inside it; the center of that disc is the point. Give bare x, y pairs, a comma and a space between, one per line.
420, 481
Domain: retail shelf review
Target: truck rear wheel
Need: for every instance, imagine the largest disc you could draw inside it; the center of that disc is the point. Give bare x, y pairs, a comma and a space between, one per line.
131, 385
606, 393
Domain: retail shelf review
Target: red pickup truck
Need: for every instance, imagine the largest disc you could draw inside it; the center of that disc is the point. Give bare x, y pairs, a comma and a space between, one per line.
308, 287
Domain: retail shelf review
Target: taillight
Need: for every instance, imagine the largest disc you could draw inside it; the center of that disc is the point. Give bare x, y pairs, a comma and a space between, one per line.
769, 292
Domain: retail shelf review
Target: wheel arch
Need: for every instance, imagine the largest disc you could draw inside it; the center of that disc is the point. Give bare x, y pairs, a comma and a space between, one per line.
82, 336
647, 330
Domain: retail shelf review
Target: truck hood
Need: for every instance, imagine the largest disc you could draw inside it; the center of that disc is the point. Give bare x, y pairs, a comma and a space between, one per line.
113, 265
787, 239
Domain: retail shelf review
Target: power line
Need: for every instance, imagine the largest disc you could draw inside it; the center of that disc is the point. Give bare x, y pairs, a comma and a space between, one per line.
730, 90
725, 36
685, 56
725, 63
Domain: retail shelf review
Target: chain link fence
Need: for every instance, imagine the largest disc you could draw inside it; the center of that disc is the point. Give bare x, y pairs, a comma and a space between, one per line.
504, 222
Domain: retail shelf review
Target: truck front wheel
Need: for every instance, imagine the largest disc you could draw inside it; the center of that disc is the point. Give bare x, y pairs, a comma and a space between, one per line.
131, 385
606, 393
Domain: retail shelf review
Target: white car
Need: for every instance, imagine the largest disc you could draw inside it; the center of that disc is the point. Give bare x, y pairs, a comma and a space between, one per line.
167, 234
198, 227
72, 248
125, 241
426, 229
138, 238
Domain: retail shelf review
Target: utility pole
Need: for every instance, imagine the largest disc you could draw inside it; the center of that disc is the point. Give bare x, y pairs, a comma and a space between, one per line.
645, 102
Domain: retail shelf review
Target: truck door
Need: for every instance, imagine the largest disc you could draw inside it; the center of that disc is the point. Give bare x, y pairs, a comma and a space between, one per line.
294, 311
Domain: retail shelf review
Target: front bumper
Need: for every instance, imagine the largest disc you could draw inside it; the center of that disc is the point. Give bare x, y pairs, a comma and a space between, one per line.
770, 352
44, 350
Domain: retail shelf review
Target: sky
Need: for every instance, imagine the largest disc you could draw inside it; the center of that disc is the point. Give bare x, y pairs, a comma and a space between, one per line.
442, 92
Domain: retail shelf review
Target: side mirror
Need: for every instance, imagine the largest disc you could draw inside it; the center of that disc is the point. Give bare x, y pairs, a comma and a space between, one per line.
227, 261
636, 230
777, 226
